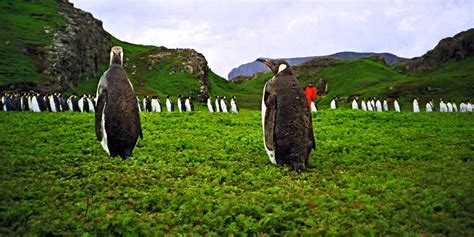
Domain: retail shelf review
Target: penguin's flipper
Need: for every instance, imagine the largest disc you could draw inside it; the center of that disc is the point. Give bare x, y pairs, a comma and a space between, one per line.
101, 99
270, 116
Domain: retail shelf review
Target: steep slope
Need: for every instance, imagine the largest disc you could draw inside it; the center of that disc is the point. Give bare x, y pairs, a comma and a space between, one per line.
252, 68
51, 46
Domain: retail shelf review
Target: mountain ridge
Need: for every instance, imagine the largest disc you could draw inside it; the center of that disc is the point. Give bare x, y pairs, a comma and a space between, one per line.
252, 68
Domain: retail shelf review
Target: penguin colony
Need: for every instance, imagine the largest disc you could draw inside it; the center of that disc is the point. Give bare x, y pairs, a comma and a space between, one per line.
286, 120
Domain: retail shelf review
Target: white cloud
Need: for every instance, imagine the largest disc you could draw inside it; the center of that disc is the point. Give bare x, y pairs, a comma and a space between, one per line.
230, 33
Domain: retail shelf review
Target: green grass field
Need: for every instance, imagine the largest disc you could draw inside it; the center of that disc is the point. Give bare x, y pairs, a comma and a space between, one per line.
201, 173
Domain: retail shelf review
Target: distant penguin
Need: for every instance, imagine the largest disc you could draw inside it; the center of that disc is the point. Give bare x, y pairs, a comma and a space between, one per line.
224, 105
41, 103
25, 105
369, 105
57, 102
385, 105
209, 105
169, 104
334, 103
363, 105
314, 108
140, 109
218, 104
46, 103
80, 103
468, 106
450, 106
155, 104
442, 106
455, 107
91, 104
34, 105
372, 104
233, 105
52, 103
378, 105
396, 106
355, 106
462, 107
286, 120
117, 118
189, 104
85, 104
430, 106
148, 106
181, 105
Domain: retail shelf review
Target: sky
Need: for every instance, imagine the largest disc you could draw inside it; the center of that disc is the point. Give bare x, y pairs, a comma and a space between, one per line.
231, 33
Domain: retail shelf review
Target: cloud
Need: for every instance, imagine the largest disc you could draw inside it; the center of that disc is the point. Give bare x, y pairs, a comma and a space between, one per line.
230, 33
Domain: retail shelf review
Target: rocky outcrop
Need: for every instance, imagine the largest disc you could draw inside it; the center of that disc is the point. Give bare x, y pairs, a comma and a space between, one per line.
188, 60
77, 50
455, 48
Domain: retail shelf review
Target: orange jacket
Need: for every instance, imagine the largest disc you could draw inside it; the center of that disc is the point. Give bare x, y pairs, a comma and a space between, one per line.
311, 94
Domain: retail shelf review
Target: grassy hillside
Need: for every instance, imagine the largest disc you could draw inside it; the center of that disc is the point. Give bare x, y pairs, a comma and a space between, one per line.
368, 77
25, 25
198, 173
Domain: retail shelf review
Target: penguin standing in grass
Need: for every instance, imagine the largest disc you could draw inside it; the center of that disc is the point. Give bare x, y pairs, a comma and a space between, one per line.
334, 102
117, 119
286, 120
396, 106
224, 105
363, 105
209, 105
155, 104
233, 105
355, 106
378, 105
218, 104
169, 104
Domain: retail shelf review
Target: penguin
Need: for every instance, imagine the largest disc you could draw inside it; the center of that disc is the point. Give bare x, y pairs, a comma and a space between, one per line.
430, 106
52, 103
209, 105
85, 104
218, 104
189, 104
75, 104
442, 106
155, 104
180, 103
233, 105
80, 103
57, 102
314, 108
34, 105
63, 102
396, 106
224, 105
286, 120
169, 104
369, 105
147, 104
462, 107
46, 102
117, 117
378, 105
138, 104
355, 106
468, 105
363, 105
41, 103
91, 104
334, 102
372, 104
450, 106
25, 106
385, 105
455, 107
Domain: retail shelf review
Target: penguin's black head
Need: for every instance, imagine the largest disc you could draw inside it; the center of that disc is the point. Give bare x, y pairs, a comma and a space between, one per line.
277, 66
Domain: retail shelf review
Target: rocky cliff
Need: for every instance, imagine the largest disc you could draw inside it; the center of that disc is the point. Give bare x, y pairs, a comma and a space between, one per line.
77, 50
455, 48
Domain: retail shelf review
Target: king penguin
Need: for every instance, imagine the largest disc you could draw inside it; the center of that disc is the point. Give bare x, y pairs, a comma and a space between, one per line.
117, 119
286, 120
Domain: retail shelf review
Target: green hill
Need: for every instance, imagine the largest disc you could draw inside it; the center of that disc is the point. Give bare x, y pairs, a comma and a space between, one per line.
368, 77
34, 35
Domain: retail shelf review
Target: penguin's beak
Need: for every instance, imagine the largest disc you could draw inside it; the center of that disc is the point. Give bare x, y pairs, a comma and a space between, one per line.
266, 62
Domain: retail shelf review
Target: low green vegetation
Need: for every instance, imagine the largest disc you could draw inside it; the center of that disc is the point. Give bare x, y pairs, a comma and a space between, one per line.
202, 173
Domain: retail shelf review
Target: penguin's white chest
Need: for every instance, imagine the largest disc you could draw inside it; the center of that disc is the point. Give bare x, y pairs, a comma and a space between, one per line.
103, 142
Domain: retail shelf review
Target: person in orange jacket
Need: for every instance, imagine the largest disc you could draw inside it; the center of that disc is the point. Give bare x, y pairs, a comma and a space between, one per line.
311, 93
